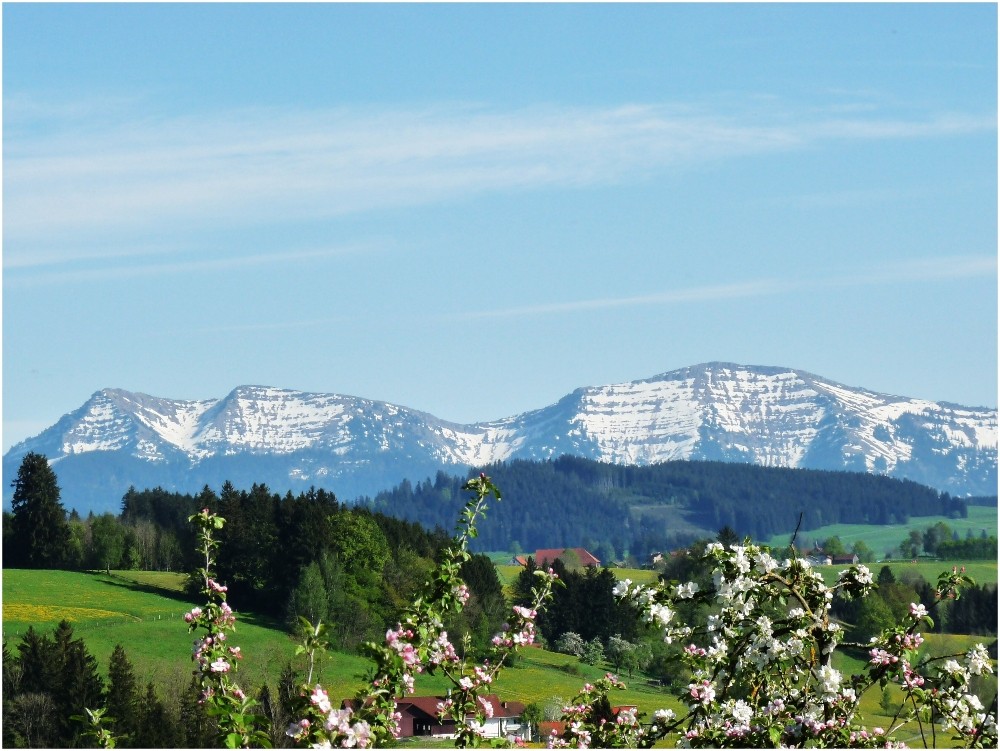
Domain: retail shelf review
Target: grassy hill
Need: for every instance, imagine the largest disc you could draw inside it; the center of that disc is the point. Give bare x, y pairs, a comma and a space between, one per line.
883, 537
143, 611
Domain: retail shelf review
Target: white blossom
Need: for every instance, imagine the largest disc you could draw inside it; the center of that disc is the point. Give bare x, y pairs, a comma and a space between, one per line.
621, 588
686, 591
828, 683
978, 660
742, 712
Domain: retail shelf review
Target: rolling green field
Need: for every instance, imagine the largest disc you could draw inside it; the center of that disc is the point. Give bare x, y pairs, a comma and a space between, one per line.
882, 538
143, 611
982, 572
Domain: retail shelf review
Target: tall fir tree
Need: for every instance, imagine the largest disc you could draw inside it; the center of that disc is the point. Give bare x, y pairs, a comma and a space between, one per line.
37, 661
196, 728
78, 686
40, 532
123, 698
157, 728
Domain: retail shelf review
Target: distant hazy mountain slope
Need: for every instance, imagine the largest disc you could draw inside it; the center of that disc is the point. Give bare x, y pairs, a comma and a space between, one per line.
352, 446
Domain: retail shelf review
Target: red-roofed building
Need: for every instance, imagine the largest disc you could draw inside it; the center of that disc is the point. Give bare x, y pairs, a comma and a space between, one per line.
549, 556
418, 716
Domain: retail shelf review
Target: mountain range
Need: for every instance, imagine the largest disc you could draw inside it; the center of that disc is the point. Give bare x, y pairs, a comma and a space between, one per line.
291, 440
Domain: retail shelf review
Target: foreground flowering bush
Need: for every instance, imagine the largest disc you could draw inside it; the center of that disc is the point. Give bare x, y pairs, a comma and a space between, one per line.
762, 670
760, 661
216, 659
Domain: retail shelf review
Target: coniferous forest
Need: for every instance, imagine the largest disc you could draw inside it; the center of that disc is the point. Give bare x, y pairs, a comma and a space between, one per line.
579, 502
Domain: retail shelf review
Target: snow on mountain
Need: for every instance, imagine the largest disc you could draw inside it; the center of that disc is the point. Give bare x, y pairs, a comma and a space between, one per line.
717, 411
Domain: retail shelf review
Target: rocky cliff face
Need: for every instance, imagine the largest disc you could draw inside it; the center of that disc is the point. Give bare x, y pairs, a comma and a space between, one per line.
352, 446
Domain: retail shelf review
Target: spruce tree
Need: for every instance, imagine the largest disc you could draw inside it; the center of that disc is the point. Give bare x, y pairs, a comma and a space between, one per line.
40, 532
78, 687
156, 728
123, 698
196, 728
37, 658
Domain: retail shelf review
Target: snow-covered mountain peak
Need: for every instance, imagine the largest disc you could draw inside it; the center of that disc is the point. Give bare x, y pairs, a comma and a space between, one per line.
719, 411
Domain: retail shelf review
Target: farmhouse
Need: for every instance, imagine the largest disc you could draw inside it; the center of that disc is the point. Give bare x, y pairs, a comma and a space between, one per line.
419, 718
569, 556
846, 560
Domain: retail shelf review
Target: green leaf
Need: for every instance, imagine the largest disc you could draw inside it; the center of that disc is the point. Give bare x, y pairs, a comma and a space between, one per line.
234, 740
775, 733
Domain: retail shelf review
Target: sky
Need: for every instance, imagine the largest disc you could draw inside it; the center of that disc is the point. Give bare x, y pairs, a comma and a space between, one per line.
473, 209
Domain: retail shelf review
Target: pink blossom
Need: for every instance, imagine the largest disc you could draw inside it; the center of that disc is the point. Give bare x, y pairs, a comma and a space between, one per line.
409, 655
482, 676
220, 666
486, 705
320, 699
881, 657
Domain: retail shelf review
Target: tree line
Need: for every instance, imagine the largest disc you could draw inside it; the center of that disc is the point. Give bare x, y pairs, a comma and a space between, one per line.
942, 541
281, 556
975, 612
50, 679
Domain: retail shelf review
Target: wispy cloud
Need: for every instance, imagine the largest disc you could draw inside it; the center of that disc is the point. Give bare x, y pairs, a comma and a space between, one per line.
698, 294
183, 263
110, 181
903, 272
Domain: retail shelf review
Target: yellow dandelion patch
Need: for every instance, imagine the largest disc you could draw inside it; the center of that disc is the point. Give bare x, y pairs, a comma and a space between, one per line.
55, 613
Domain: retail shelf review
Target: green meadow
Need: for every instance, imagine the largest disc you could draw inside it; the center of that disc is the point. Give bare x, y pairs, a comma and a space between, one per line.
982, 572
143, 611
882, 538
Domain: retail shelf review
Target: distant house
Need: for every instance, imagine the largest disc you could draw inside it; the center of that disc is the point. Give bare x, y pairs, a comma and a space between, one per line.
848, 559
549, 556
816, 556
418, 717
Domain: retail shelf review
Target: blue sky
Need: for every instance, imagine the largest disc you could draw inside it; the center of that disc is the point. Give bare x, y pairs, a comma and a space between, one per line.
474, 209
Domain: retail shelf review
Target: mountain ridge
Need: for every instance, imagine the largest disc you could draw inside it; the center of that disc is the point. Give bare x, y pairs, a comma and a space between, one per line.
768, 415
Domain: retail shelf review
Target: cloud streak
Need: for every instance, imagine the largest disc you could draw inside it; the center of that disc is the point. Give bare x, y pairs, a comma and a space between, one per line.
54, 272
128, 179
905, 272
912, 271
